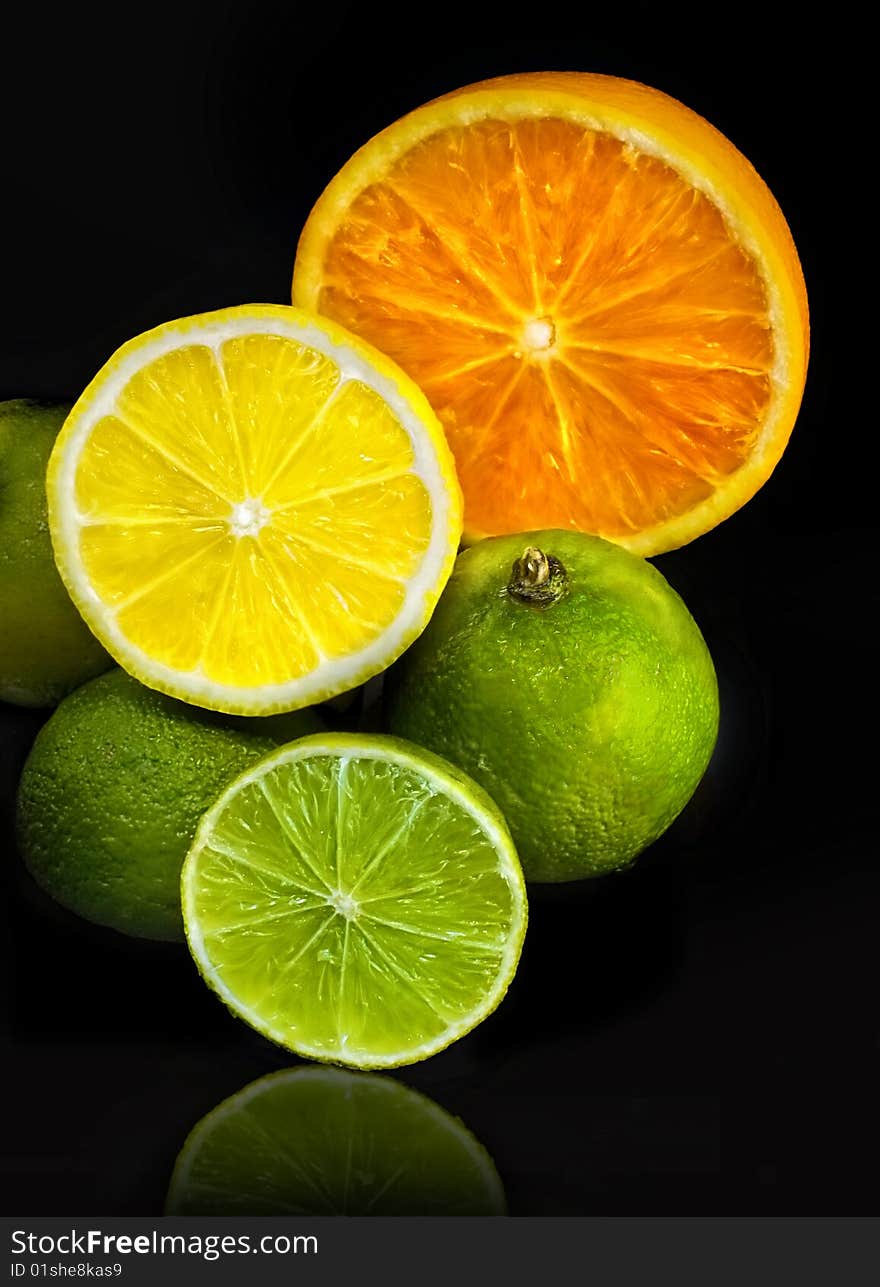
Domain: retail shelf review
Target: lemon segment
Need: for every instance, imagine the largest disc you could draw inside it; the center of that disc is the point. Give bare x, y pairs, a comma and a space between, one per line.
252, 509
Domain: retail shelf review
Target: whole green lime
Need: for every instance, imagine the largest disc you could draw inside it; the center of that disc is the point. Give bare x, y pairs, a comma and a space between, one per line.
567, 677
46, 649
113, 790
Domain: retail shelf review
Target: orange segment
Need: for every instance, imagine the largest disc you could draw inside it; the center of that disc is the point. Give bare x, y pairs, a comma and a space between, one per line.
595, 290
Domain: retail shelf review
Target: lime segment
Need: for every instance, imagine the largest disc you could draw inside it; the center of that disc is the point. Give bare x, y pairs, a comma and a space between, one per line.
320, 1141
356, 900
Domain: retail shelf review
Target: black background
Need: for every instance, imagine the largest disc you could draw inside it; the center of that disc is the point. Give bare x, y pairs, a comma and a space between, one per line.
697, 1036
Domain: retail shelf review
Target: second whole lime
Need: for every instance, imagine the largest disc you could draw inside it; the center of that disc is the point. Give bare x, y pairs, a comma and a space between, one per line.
113, 790
46, 649
569, 679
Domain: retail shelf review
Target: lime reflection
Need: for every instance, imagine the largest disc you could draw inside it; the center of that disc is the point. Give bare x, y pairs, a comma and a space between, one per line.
321, 1141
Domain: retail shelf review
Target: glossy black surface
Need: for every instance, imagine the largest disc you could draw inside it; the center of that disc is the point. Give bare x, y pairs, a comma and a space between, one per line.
696, 1036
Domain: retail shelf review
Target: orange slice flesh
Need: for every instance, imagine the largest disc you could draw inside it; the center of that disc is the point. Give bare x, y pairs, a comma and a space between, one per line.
595, 290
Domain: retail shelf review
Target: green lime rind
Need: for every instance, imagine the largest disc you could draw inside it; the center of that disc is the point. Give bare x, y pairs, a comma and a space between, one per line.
46, 649
589, 720
323, 1141
356, 900
112, 792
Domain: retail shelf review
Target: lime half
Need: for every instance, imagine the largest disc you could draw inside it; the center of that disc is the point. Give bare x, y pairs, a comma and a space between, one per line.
355, 899
320, 1141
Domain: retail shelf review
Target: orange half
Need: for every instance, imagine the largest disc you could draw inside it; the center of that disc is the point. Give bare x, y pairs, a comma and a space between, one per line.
596, 291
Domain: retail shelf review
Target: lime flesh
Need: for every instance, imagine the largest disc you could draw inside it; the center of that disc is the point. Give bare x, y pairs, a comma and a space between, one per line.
355, 899
321, 1141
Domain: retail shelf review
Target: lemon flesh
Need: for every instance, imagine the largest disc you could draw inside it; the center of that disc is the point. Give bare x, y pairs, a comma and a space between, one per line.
356, 900
321, 1141
253, 510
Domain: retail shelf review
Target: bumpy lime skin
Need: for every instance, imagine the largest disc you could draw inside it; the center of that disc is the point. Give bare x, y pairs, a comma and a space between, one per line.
114, 788
589, 721
46, 649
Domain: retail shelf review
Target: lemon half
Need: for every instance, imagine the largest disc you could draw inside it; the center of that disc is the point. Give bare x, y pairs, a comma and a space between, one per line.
252, 509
